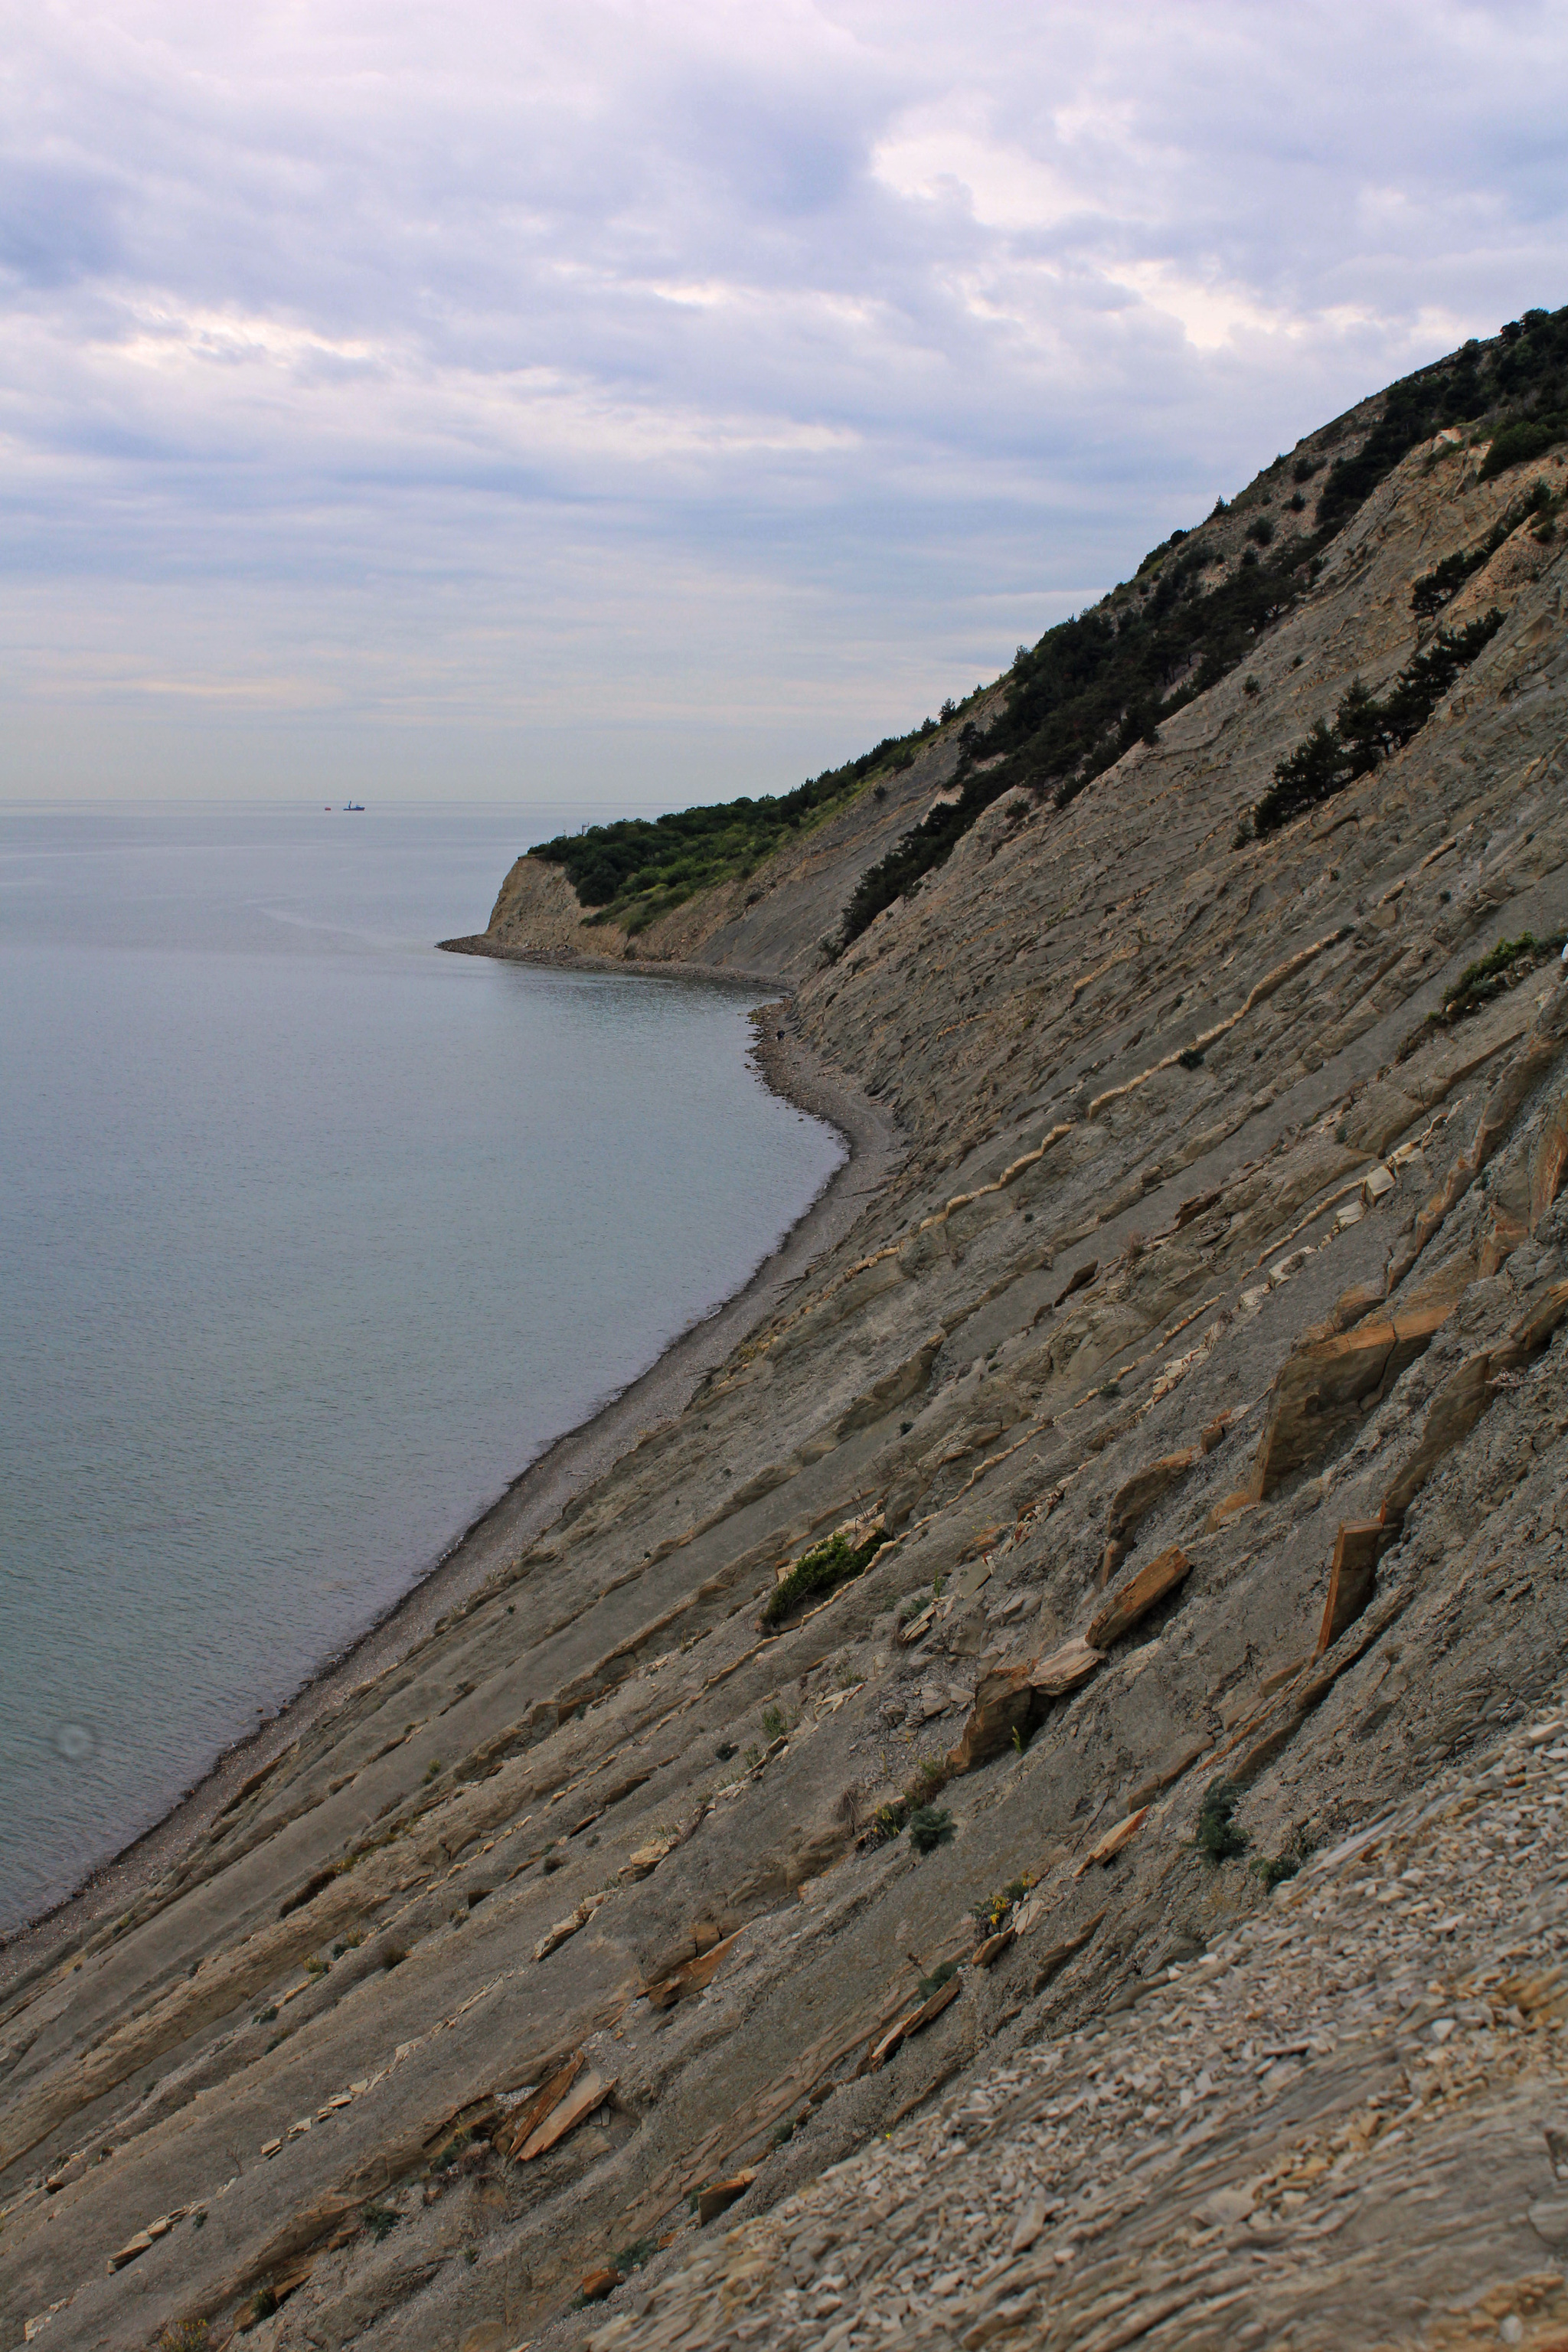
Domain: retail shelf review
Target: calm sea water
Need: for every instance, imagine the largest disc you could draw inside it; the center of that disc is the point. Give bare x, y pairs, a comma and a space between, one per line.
310, 1238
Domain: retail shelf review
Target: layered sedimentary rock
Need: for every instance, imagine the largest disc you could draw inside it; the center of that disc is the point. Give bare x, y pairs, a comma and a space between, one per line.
614, 1904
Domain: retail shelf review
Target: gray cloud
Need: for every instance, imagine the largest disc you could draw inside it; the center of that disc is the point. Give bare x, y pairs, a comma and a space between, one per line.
495, 399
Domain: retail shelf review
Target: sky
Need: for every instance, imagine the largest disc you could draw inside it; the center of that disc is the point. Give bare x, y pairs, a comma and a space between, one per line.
635, 403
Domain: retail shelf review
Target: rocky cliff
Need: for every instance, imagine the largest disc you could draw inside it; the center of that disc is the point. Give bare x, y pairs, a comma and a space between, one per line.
1037, 1701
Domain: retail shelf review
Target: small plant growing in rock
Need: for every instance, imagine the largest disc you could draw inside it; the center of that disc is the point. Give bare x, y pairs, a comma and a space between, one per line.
448, 2155
632, 2258
1218, 1836
773, 1722
1274, 1870
186, 2335
432, 1767
939, 1975
265, 2302
753, 1757
1487, 977
888, 1821
929, 1826
378, 2219
553, 1859
991, 1915
819, 1572
394, 1955
931, 1776
725, 1749
265, 2017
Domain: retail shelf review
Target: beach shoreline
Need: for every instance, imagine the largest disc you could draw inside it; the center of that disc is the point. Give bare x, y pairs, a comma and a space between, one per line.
532, 1499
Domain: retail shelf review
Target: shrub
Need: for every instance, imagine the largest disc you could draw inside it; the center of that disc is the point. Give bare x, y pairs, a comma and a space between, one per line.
887, 1820
1532, 436
265, 2302
819, 1572
1443, 583
929, 1826
1262, 532
939, 1976
378, 2219
1366, 731
773, 1722
186, 2335
1488, 975
1298, 503
1218, 1837
394, 1955
1304, 469
632, 2258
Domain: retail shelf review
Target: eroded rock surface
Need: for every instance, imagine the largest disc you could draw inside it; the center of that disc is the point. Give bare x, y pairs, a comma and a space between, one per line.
1210, 1251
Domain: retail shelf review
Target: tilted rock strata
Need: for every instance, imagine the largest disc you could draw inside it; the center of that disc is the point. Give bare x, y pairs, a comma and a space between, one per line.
295, 2066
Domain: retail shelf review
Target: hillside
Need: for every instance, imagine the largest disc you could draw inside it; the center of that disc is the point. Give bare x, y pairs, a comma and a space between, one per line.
1154, 1482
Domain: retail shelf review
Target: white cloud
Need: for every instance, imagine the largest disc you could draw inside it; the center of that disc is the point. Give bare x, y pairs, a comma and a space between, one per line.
734, 382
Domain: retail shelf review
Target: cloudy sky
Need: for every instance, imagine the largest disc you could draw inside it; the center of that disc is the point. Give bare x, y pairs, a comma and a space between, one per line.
643, 399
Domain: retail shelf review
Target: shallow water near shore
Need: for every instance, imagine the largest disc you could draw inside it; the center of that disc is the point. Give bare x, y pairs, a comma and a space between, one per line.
310, 1238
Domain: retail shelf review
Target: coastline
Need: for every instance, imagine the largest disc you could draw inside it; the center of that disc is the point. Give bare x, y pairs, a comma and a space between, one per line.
531, 1500
480, 944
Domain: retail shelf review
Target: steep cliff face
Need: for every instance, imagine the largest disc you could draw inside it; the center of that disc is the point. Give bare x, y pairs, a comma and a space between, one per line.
1175, 1447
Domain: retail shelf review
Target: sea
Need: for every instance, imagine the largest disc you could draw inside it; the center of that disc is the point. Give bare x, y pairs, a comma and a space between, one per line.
311, 1238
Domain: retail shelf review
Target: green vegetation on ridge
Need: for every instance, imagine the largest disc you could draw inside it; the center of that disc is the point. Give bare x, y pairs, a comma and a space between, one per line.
639, 869
1094, 686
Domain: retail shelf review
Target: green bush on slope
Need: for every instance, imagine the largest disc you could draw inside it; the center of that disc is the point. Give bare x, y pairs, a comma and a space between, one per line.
1366, 731
819, 1572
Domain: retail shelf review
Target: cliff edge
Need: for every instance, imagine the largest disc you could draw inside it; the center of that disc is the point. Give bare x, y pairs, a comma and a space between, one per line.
1030, 1812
